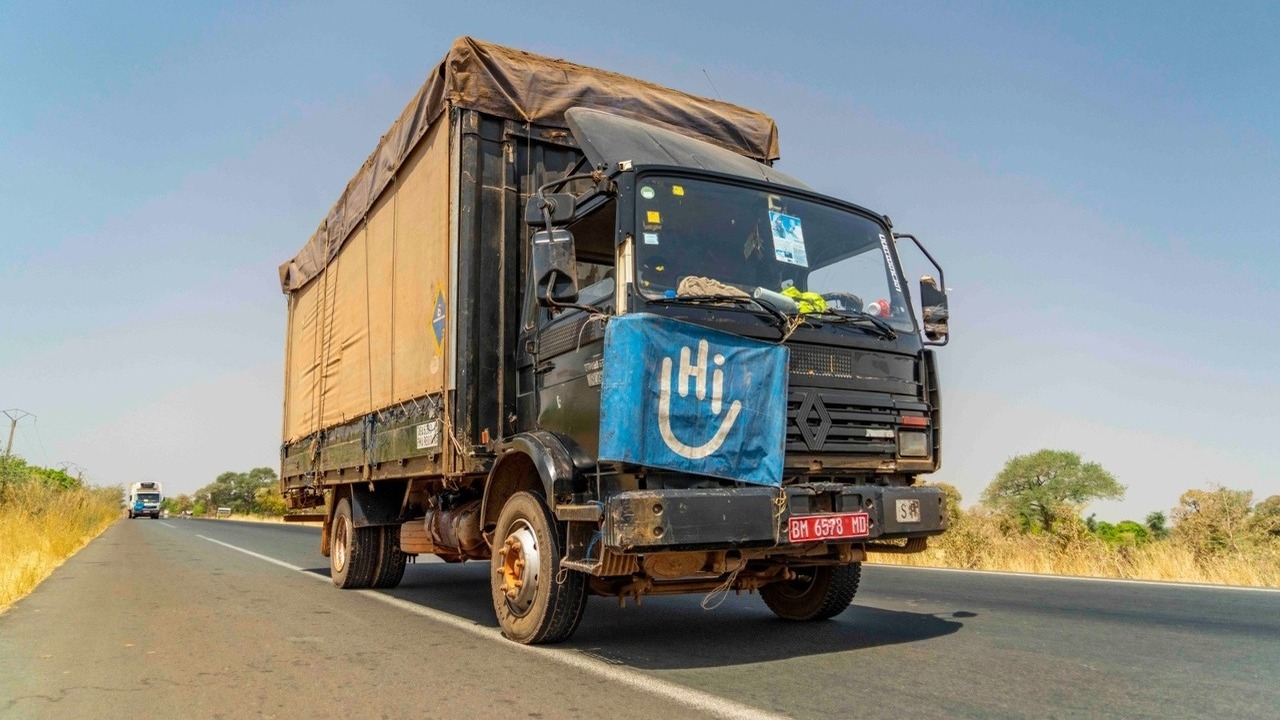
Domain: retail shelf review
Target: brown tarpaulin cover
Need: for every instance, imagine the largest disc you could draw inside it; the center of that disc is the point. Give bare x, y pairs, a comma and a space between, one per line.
360, 336
521, 86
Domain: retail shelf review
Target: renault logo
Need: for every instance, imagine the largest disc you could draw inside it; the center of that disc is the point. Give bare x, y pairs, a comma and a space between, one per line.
814, 421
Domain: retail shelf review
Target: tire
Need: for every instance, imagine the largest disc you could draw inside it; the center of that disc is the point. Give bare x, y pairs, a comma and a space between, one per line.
155, 516
391, 561
130, 514
353, 559
818, 593
548, 604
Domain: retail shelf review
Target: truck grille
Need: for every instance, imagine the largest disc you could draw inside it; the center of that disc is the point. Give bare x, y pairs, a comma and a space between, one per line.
841, 422
821, 362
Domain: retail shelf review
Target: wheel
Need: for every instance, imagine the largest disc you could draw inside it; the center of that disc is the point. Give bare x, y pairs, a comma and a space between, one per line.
130, 514
817, 593
536, 602
353, 559
155, 516
390, 560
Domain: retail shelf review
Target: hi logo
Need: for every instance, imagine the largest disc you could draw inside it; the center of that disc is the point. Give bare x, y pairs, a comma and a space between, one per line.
695, 373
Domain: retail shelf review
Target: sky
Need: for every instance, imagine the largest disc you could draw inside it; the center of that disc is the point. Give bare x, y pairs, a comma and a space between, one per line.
1101, 182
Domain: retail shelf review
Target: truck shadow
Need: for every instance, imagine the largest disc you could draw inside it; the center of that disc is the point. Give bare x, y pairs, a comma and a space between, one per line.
675, 632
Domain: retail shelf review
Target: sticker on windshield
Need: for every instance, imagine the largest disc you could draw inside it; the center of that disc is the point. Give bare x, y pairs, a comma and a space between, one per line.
651, 238
646, 192
788, 239
653, 216
677, 190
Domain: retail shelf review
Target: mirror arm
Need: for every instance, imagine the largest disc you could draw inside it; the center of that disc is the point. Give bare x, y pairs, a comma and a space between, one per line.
942, 283
597, 176
572, 306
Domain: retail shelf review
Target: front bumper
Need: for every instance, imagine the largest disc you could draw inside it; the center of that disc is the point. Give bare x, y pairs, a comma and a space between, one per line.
752, 517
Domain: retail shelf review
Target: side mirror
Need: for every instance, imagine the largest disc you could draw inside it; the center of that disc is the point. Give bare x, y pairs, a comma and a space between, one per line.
933, 303
560, 207
554, 272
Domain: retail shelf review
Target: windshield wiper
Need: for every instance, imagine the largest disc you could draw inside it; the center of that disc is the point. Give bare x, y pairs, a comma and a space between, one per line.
832, 316
779, 320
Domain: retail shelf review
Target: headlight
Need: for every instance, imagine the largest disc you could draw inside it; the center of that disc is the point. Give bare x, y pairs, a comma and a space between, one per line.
913, 444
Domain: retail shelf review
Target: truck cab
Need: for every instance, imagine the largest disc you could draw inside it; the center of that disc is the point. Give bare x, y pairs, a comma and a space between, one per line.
734, 367
144, 500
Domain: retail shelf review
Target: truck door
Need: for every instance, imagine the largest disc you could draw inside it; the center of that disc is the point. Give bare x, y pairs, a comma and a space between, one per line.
568, 344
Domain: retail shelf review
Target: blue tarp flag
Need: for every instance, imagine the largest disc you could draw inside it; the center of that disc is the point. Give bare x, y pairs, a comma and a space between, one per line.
684, 397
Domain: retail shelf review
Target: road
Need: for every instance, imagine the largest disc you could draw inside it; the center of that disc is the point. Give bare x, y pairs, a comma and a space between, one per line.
219, 619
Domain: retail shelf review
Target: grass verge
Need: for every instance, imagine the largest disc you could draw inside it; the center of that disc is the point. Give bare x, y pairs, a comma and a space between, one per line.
979, 544
41, 526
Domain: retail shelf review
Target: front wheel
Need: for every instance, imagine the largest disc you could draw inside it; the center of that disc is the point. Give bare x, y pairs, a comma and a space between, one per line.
817, 593
535, 600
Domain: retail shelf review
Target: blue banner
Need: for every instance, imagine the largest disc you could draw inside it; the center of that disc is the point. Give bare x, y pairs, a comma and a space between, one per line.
684, 397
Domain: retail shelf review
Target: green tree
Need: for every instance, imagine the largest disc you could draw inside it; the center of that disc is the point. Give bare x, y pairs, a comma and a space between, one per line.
268, 501
236, 490
951, 496
177, 503
1048, 487
1213, 521
1158, 524
1266, 518
1125, 532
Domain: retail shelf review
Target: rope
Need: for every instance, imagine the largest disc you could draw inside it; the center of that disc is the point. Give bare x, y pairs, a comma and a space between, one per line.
710, 601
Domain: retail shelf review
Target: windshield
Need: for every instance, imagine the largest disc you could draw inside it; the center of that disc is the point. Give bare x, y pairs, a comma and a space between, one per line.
149, 497
700, 238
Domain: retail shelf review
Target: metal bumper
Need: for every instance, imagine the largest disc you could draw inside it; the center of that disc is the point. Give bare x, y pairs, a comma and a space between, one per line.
750, 517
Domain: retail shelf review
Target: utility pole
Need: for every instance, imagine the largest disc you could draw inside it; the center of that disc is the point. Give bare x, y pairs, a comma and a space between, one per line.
14, 415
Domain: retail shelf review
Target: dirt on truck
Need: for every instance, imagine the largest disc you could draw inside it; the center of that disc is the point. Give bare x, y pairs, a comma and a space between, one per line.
577, 326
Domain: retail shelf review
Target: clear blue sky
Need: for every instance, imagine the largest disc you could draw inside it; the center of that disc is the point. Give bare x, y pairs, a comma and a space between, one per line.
1101, 181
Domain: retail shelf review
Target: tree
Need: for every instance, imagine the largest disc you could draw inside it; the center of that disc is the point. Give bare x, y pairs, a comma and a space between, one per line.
267, 501
1213, 521
1266, 518
951, 496
1125, 532
1047, 487
178, 503
1157, 523
236, 490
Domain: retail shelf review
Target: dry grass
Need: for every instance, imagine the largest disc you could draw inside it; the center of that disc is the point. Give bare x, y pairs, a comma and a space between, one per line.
40, 527
976, 542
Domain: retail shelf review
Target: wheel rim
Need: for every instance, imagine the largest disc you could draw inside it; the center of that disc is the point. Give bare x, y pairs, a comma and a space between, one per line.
517, 567
340, 542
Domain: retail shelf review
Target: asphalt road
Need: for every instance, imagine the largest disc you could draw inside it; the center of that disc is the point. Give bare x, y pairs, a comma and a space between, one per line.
219, 619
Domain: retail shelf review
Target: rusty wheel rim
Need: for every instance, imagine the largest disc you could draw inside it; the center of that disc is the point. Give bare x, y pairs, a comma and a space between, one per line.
517, 567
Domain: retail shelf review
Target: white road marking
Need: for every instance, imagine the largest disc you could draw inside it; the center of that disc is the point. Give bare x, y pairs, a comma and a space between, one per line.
1038, 576
678, 694
167, 524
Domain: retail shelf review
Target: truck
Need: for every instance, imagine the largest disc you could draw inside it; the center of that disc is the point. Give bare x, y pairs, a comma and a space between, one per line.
577, 326
144, 499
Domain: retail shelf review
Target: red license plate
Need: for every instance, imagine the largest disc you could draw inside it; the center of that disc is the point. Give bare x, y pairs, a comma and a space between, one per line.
812, 528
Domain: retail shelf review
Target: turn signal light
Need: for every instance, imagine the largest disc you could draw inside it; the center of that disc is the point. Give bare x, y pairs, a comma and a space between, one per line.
915, 421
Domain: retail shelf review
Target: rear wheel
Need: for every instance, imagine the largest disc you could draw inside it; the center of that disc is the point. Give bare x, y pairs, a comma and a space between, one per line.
353, 558
535, 600
390, 560
817, 593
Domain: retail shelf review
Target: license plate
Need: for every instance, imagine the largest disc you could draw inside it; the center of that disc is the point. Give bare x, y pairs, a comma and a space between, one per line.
908, 511
811, 528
